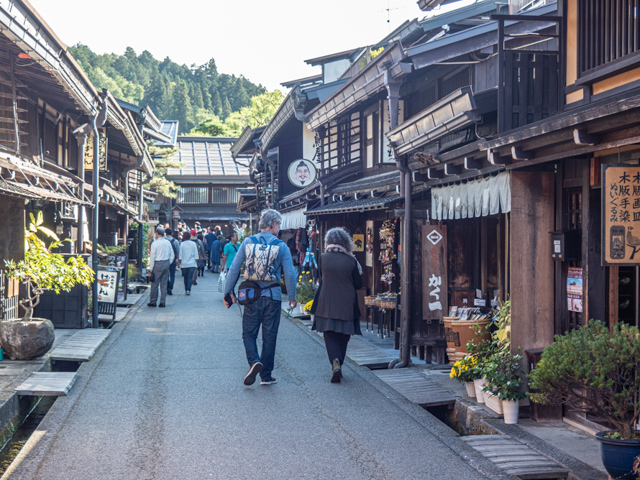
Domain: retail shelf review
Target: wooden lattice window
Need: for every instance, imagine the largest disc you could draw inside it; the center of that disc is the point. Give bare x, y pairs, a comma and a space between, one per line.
338, 143
608, 31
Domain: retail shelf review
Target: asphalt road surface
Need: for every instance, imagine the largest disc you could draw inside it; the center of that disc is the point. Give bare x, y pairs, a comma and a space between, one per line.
164, 399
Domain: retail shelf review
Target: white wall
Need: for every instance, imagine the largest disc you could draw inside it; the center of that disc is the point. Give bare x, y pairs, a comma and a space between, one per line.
333, 71
308, 150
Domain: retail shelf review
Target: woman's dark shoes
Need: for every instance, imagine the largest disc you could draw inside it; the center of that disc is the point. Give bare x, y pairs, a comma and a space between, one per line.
194, 283
336, 373
151, 304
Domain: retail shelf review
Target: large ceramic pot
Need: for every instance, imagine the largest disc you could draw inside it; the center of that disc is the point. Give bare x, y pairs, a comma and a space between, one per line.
479, 384
26, 340
618, 456
511, 411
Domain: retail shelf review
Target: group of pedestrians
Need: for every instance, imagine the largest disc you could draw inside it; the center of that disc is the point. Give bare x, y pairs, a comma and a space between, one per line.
267, 260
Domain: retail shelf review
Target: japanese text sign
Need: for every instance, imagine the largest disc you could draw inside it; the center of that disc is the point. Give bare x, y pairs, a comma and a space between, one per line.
102, 151
435, 293
107, 286
621, 214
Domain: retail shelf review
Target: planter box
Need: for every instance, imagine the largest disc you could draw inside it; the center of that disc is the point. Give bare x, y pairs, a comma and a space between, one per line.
493, 402
66, 309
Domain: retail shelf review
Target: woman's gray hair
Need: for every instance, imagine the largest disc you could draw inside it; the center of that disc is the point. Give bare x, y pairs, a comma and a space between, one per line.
268, 218
337, 236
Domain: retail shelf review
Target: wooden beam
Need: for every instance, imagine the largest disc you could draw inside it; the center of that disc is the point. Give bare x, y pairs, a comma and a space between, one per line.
496, 159
420, 177
472, 163
517, 153
450, 169
581, 137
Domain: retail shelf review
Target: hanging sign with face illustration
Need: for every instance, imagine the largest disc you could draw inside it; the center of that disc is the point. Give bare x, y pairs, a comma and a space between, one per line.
302, 173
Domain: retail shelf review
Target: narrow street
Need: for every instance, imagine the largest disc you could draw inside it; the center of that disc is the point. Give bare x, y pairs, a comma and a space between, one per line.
164, 399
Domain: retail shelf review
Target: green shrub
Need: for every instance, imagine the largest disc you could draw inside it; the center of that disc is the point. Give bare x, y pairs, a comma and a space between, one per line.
596, 367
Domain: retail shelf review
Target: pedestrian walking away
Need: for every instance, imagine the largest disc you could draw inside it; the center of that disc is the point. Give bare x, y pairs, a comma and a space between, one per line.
160, 258
187, 262
216, 249
335, 306
265, 256
175, 244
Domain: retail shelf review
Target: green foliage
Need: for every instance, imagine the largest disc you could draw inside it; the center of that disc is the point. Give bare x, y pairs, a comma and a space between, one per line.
596, 367
502, 321
259, 113
173, 91
162, 161
305, 289
113, 250
504, 375
42, 270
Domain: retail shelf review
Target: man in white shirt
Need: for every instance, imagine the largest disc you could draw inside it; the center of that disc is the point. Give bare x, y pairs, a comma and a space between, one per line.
160, 258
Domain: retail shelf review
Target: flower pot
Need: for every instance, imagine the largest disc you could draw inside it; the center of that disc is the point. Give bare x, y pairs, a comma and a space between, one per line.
618, 456
471, 389
493, 402
301, 308
478, 384
26, 340
511, 410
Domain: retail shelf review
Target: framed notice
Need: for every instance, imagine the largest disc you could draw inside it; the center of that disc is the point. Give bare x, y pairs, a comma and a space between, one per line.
574, 289
358, 242
108, 290
620, 214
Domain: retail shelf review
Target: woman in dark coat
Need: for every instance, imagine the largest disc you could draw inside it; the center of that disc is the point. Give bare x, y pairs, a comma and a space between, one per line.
336, 304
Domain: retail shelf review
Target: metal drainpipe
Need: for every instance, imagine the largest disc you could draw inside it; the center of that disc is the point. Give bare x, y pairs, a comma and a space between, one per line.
102, 112
405, 317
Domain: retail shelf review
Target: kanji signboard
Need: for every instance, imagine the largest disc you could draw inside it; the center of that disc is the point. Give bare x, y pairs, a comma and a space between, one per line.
621, 214
102, 151
435, 292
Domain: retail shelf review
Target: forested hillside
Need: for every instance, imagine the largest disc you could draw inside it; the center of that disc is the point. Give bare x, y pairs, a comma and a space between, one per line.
174, 92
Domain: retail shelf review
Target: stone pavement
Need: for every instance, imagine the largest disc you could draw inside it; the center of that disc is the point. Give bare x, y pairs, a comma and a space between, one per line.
163, 398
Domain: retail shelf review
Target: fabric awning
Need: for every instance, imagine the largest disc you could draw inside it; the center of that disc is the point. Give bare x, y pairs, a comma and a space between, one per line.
477, 198
361, 205
294, 219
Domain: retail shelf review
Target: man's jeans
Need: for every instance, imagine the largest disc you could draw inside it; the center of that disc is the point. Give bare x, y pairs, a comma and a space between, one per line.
172, 276
265, 312
161, 273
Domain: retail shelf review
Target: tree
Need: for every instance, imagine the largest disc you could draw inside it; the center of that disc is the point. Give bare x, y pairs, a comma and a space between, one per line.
182, 108
163, 160
212, 127
259, 113
226, 108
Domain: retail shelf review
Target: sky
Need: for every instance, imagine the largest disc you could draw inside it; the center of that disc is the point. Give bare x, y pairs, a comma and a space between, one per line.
266, 41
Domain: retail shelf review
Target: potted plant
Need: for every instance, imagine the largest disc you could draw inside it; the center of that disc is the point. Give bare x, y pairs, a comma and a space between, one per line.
27, 338
465, 370
482, 347
504, 379
305, 290
599, 368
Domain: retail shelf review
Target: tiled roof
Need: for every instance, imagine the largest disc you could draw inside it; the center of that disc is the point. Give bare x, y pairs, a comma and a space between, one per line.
206, 156
169, 128
360, 205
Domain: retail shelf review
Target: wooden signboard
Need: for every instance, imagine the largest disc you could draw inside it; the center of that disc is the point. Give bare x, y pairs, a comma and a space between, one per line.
434, 270
102, 151
108, 290
620, 214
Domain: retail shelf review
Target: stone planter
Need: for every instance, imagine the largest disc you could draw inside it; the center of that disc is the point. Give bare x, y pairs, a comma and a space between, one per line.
478, 384
26, 340
471, 389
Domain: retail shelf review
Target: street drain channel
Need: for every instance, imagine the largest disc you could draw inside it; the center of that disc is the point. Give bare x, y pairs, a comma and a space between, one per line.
16, 433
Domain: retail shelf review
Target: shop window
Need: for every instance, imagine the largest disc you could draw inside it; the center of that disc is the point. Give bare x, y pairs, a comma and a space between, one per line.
192, 195
609, 31
224, 195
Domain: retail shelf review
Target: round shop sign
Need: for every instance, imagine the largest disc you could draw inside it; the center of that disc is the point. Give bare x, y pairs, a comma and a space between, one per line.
302, 173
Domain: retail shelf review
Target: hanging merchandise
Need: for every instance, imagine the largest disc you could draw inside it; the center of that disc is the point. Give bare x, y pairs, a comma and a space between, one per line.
369, 244
387, 241
388, 276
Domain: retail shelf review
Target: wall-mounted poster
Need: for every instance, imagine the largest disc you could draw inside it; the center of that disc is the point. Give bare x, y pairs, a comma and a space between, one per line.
574, 289
369, 244
621, 214
358, 242
302, 173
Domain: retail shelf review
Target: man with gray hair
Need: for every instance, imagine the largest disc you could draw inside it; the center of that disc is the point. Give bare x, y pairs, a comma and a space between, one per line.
265, 256
160, 258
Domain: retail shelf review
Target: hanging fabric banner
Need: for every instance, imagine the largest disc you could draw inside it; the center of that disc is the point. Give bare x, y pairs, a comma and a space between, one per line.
476, 198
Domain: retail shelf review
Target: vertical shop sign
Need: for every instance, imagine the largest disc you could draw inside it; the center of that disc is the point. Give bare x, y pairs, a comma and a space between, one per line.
621, 214
369, 244
102, 151
435, 293
574, 289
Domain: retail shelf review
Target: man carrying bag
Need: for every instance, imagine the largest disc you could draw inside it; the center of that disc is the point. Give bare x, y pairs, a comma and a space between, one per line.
265, 256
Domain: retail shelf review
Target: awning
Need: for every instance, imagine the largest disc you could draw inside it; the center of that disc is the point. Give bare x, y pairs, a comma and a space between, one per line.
450, 114
477, 198
294, 219
361, 205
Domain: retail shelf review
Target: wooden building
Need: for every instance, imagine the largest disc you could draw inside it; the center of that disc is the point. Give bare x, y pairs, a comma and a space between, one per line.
209, 180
